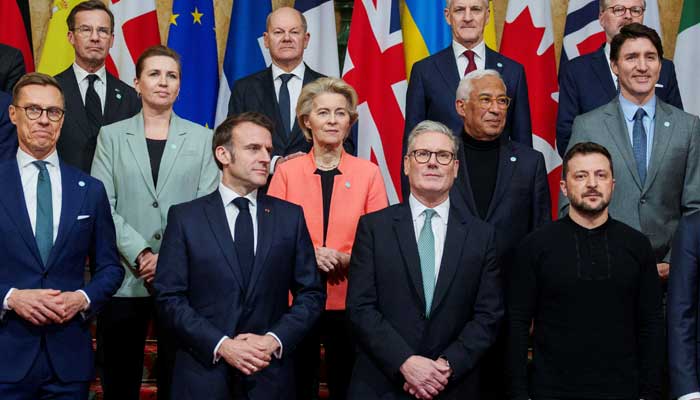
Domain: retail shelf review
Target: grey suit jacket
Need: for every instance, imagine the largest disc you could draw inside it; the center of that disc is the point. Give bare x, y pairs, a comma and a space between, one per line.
672, 186
140, 209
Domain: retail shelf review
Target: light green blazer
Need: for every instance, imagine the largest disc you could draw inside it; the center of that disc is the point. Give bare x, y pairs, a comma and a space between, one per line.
140, 210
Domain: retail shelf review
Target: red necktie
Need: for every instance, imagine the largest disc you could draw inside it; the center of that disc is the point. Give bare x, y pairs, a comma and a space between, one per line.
471, 65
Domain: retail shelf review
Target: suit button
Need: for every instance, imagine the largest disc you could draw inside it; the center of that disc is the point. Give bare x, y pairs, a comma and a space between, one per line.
157, 236
643, 201
422, 316
155, 204
45, 274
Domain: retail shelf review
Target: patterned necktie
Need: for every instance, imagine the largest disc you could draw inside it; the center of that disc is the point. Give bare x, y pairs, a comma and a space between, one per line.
93, 106
44, 212
639, 144
284, 103
426, 251
471, 64
244, 241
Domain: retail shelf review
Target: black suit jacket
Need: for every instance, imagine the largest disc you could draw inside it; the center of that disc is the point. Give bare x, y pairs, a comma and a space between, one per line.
76, 145
8, 132
11, 67
386, 304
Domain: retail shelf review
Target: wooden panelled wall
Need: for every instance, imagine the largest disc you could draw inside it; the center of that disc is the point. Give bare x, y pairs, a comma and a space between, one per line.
669, 9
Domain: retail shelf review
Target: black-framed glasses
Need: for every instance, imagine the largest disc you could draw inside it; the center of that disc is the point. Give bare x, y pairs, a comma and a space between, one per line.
33, 112
485, 101
443, 157
620, 10
85, 31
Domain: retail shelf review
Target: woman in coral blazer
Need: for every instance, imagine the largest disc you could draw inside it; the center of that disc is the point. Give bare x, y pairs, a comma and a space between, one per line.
335, 189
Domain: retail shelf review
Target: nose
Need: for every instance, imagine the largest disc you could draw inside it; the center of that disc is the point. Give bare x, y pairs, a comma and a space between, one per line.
94, 35
592, 181
162, 81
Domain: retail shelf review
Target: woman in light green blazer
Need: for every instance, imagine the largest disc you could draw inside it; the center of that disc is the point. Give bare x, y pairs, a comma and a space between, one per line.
147, 163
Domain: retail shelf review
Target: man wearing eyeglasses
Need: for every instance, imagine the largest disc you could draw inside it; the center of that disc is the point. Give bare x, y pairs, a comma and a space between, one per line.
587, 82
500, 181
424, 292
52, 217
94, 97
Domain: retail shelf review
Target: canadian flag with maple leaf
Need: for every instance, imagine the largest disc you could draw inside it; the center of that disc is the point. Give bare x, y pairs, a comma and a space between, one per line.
528, 39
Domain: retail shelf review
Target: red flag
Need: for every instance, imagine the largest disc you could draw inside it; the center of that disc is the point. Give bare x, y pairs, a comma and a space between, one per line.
135, 29
374, 66
528, 38
13, 31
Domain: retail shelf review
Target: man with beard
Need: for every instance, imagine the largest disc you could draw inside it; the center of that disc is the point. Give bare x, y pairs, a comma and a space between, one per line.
589, 284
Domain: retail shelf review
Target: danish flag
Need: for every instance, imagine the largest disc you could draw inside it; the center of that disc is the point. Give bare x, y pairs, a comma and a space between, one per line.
374, 66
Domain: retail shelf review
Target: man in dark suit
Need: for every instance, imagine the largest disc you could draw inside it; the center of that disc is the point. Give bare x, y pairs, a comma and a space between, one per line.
8, 133
424, 293
52, 217
94, 97
11, 67
227, 262
587, 82
500, 181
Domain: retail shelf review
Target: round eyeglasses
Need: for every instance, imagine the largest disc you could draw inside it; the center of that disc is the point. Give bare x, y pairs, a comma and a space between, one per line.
33, 112
443, 157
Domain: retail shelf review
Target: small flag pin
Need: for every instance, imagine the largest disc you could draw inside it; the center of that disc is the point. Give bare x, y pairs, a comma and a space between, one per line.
513, 159
667, 124
347, 185
81, 183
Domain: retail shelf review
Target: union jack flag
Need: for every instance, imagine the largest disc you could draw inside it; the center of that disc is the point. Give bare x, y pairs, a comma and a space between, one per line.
374, 66
582, 33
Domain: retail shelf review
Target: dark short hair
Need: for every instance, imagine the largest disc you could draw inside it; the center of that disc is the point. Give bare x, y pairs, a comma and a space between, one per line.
154, 51
36, 78
635, 31
585, 148
224, 132
89, 6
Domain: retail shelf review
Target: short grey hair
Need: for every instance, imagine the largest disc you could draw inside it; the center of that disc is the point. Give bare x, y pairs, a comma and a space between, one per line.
304, 25
465, 85
603, 4
448, 3
432, 126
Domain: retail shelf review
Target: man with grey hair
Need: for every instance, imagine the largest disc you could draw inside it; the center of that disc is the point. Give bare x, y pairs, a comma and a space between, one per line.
424, 294
587, 82
501, 182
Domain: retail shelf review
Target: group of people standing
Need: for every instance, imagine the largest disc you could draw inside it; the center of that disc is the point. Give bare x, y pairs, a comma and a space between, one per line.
250, 246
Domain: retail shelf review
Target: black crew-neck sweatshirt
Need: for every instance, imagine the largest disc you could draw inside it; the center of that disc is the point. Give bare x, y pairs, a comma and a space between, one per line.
482, 165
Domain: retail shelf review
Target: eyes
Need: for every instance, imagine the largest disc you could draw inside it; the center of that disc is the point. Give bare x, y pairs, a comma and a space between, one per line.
169, 75
581, 176
281, 32
326, 113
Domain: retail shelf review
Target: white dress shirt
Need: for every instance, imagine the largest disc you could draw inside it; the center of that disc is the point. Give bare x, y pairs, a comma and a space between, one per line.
100, 83
294, 86
462, 61
438, 223
227, 197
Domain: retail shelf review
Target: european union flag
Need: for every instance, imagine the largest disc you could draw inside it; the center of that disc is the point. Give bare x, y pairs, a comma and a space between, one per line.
192, 34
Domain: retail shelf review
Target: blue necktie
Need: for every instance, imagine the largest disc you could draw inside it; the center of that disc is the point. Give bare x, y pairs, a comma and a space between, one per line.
244, 241
44, 212
284, 103
639, 144
426, 251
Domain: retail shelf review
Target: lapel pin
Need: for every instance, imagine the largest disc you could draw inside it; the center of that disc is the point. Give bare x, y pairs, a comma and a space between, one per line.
347, 184
174, 146
118, 96
267, 210
513, 159
667, 124
81, 183
499, 65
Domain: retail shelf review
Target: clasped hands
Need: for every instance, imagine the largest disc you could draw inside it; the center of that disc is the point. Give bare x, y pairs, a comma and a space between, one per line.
147, 262
334, 263
248, 353
425, 378
46, 306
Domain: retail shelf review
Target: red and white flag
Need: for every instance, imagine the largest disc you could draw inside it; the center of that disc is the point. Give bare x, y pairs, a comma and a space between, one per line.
135, 29
528, 39
374, 66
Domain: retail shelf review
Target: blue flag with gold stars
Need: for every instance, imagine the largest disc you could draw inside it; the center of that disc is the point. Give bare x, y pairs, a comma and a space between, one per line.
193, 36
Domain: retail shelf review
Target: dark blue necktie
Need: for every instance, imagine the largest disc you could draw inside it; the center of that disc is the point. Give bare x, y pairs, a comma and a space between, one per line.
244, 241
284, 103
639, 144
44, 212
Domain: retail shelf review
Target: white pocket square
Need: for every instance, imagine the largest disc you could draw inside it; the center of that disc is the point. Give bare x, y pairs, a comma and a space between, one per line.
658, 85
83, 217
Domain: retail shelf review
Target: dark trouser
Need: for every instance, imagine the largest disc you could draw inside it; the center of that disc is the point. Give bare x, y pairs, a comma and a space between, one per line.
492, 377
41, 383
333, 331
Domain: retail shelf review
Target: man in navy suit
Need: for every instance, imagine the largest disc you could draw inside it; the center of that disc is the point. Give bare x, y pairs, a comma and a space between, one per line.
227, 263
424, 292
52, 217
587, 82
8, 133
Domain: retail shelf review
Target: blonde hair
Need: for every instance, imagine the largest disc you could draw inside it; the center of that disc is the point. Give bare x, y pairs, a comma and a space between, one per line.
321, 86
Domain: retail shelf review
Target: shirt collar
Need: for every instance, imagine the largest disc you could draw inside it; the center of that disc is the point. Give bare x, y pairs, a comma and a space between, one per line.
24, 158
228, 195
479, 50
417, 208
629, 108
81, 74
298, 71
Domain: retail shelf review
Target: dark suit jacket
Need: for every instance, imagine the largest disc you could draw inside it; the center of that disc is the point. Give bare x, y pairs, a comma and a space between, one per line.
587, 84
11, 67
200, 294
69, 345
520, 202
8, 132
682, 308
76, 145
386, 304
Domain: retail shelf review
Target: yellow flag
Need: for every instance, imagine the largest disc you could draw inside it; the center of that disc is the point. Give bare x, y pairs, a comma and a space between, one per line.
490, 30
58, 53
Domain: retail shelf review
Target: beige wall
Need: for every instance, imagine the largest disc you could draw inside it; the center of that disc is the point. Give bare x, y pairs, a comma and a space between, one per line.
669, 9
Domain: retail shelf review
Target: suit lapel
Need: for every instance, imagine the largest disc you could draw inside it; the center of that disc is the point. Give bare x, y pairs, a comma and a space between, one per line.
136, 139
214, 210
493, 60
16, 206
465, 187
74, 101
447, 67
265, 232
176, 140
662, 137
602, 70
271, 108
617, 129
507, 159
113, 101
405, 236
451, 256
74, 191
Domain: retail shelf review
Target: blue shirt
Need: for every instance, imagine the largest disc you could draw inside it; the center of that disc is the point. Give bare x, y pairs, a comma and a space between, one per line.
629, 109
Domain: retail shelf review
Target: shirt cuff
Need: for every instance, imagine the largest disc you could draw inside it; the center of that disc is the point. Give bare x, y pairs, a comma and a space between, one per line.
273, 162
278, 352
217, 357
694, 395
87, 298
5, 306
